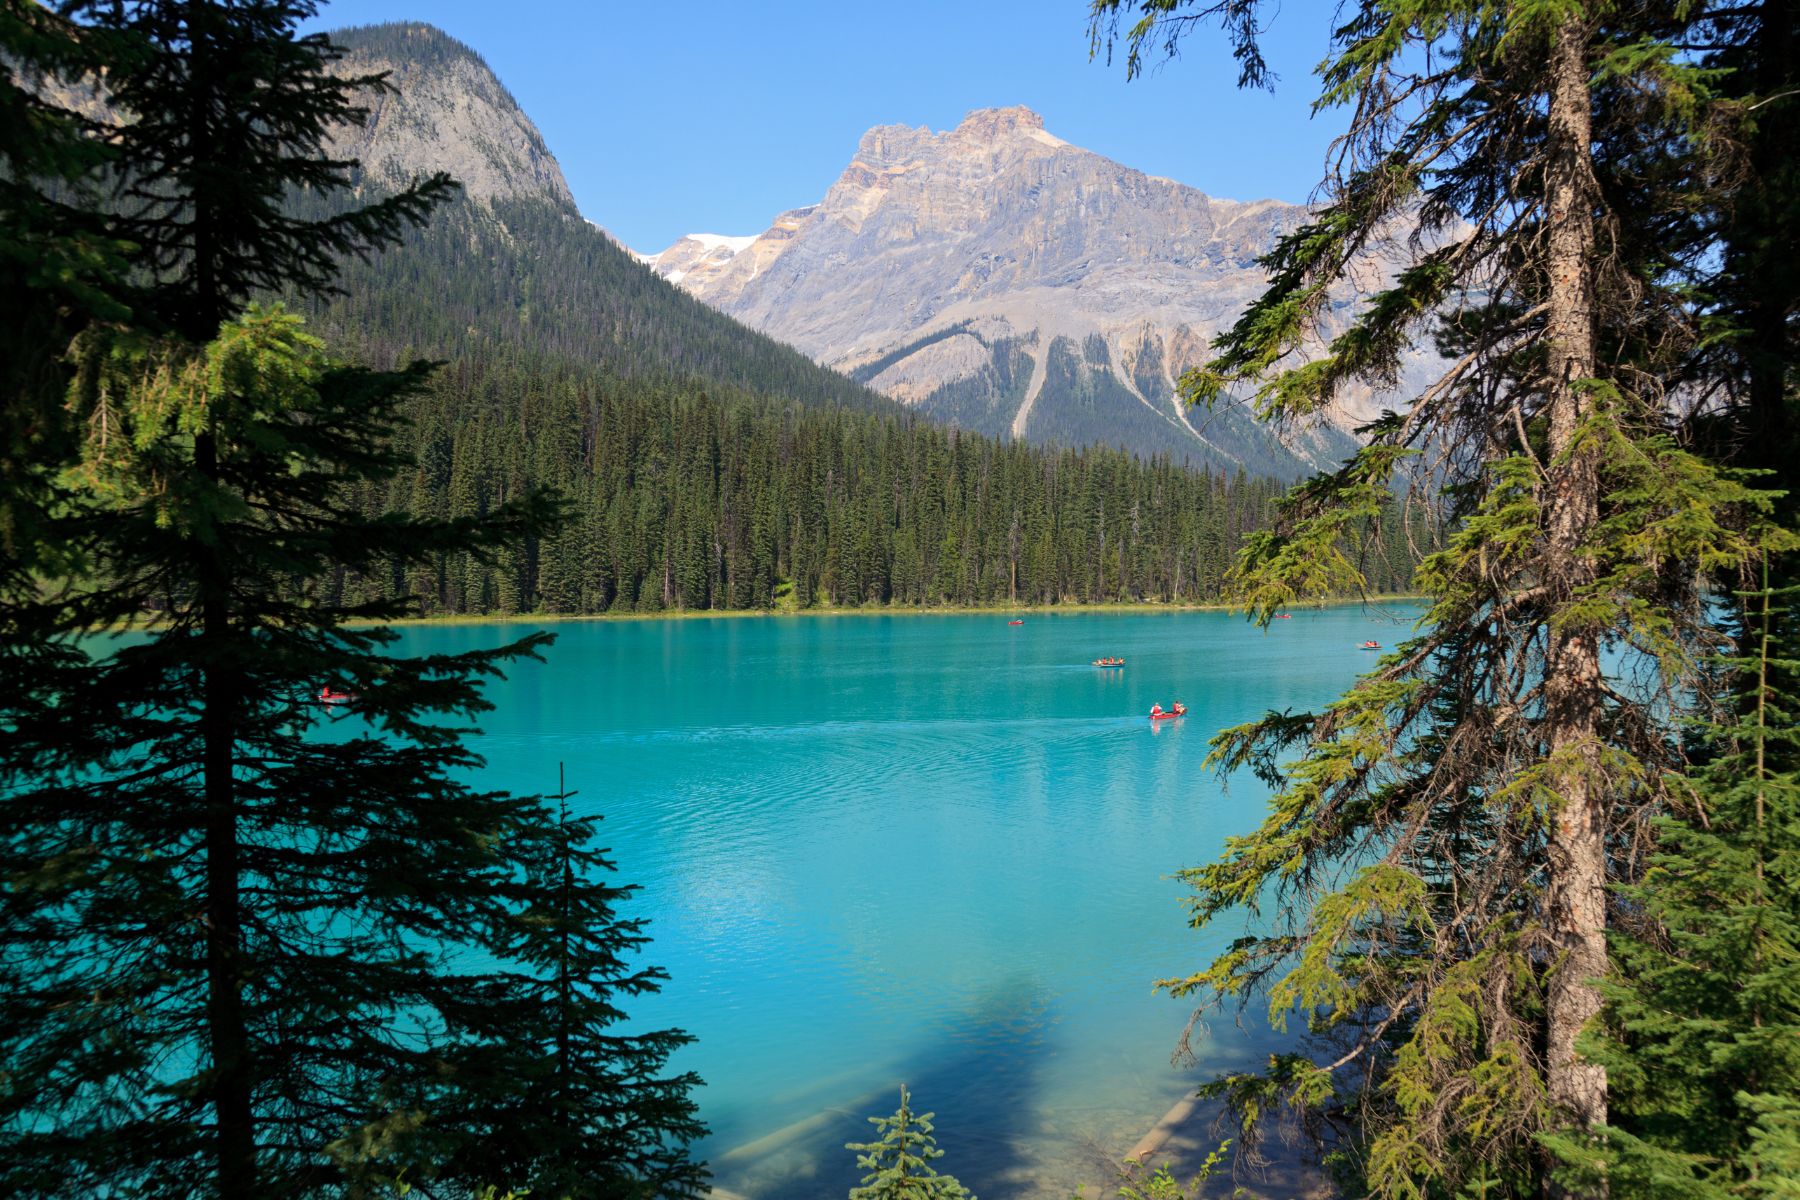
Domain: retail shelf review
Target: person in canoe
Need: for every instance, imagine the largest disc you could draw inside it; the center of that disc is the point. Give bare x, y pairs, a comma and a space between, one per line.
1157, 713
1371, 645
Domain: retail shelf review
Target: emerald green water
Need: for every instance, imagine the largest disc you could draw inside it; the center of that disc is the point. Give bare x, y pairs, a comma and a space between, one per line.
930, 849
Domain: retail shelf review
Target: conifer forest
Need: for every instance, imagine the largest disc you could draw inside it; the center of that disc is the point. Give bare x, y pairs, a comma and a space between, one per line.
1499, 900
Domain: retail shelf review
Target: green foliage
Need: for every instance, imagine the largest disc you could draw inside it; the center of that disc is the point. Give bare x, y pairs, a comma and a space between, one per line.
1412, 881
1137, 1181
708, 467
1702, 1037
363, 869
224, 117
60, 269
606, 1121
686, 500
238, 924
899, 1160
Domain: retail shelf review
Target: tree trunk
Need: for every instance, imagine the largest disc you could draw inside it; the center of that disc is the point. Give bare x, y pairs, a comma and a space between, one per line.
1573, 688
230, 1083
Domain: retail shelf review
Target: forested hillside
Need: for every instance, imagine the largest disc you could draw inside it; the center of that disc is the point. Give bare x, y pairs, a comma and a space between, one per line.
705, 465
681, 499
526, 281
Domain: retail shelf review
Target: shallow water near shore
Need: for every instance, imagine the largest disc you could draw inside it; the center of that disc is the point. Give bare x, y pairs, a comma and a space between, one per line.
878, 849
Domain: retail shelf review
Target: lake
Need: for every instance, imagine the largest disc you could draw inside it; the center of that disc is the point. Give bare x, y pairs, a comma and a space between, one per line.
923, 849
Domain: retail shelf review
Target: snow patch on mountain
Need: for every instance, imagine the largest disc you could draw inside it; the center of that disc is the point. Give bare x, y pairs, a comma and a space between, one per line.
721, 241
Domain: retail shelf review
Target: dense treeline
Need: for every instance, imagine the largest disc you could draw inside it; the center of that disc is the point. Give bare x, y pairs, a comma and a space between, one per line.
684, 500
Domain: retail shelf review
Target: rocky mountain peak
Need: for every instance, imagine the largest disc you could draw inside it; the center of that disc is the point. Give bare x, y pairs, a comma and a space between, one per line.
995, 124
996, 276
447, 112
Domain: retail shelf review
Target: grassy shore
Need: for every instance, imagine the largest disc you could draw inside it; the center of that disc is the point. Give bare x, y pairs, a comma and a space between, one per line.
884, 610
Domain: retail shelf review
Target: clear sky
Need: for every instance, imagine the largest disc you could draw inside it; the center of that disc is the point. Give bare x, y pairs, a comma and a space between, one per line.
707, 116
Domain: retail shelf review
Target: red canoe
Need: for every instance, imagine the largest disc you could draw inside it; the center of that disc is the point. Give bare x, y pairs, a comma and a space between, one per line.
330, 695
1015, 622
1158, 714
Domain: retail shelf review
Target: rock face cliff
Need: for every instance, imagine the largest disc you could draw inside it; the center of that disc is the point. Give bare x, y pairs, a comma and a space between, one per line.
446, 112
999, 277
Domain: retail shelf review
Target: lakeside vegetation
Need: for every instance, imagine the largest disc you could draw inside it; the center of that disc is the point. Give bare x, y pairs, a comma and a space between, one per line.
1540, 926
680, 502
1538, 934
896, 610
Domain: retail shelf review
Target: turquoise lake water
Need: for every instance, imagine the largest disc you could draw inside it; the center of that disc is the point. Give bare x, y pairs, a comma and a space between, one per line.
923, 849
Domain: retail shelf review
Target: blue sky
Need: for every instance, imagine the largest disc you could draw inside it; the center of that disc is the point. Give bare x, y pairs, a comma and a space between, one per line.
702, 116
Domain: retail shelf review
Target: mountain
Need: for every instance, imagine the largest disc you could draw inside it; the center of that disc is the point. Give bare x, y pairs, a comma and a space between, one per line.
511, 265
706, 466
445, 111
996, 276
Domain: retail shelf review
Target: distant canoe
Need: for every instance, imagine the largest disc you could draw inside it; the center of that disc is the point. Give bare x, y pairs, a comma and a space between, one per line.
330, 695
1160, 714
1370, 646
1109, 662
1015, 622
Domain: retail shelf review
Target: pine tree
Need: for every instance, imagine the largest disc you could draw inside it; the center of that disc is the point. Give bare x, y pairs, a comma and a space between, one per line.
215, 984
593, 1115
231, 939
1702, 1032
229, 109
899, 1160
1440, 849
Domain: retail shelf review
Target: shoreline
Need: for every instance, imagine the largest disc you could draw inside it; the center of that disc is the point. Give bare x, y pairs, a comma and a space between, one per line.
881, 610
943, 610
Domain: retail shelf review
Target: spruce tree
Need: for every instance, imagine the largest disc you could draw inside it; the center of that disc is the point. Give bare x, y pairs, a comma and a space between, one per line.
214, 983
1436, 865
592, 1115
899, 1160
236, 943
1702, 1032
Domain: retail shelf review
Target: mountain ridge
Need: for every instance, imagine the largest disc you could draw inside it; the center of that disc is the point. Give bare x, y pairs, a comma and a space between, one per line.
1047, 292
444, 110
512, 261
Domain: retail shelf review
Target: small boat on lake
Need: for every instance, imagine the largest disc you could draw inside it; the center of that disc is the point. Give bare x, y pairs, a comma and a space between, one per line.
331, 695
1109, 662
1159, 713
1370, 646
1284, 616
1015, 622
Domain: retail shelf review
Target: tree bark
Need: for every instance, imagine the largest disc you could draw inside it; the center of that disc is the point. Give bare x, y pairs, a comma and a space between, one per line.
226, 1024
1574, 697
